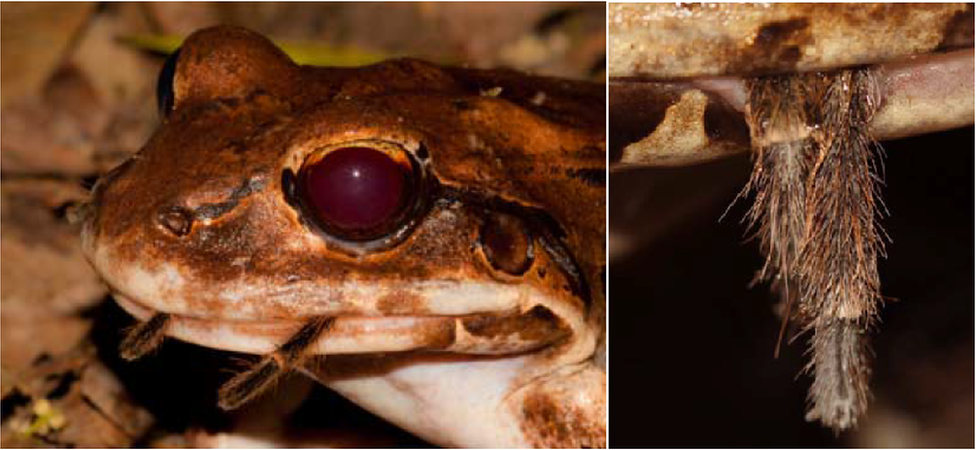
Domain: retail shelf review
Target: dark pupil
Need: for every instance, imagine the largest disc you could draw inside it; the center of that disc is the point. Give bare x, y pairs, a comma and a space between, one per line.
355, 189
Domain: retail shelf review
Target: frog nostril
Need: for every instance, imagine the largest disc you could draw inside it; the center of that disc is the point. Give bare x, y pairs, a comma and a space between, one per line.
507, 243
177, 221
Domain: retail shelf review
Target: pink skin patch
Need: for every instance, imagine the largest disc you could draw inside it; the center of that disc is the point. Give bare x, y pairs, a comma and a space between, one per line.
923, 94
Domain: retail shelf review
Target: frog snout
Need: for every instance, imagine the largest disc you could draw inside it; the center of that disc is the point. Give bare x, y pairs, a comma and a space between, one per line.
83, 214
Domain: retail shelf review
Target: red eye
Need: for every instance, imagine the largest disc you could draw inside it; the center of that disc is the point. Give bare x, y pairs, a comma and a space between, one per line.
356, 192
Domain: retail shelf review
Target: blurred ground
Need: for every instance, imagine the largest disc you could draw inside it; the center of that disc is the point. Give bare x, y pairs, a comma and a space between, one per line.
691, 346
76, 101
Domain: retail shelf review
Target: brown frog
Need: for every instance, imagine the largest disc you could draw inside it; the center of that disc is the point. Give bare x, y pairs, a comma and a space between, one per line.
437, 232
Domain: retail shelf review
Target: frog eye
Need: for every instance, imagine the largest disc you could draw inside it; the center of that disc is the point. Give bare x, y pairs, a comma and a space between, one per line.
164, 85
357, 193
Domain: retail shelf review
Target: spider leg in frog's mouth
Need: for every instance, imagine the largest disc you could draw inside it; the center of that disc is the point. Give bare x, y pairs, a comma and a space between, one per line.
815, 181
144, 337
254, 381
149, 335
443, 333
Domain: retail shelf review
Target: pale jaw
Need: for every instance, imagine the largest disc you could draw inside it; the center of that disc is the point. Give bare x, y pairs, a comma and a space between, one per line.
450, 403
350, 334
484, 403
449, 399
441, 376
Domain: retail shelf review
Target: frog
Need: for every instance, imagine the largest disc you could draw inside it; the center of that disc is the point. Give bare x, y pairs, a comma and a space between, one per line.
427, 241
808, 90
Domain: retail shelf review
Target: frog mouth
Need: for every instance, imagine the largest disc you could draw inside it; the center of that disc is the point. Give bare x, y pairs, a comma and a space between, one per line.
921, 94
287, 343
486, 333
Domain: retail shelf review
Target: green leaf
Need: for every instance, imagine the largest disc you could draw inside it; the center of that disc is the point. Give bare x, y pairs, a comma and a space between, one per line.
309, 53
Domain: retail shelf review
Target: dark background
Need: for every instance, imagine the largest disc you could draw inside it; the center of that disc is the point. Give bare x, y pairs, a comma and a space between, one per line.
691, 346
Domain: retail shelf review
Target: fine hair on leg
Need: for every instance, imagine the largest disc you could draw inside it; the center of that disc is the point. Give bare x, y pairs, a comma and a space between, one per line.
145, 337
815, 182
249, 384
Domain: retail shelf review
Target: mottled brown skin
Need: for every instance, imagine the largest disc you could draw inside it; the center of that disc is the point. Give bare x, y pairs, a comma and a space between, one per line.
550, 424
655, 41
234, 123
212, 197
640, 108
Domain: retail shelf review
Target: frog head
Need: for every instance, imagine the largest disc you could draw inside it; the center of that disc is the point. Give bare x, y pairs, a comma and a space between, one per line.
445, 224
